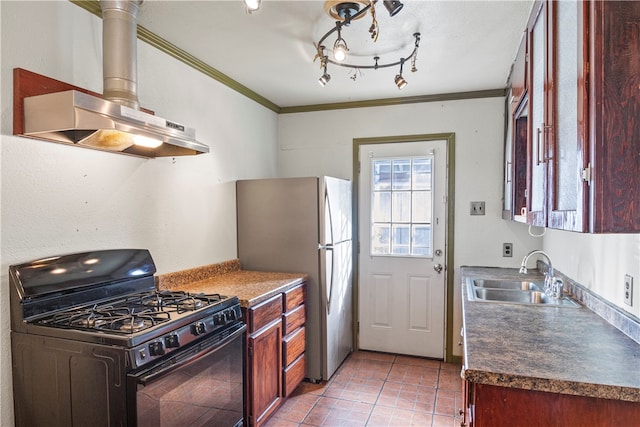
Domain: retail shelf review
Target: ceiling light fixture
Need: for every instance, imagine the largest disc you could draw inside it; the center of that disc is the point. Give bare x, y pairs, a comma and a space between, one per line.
252, 5
340, 48
400, 81
324, 79
347, 11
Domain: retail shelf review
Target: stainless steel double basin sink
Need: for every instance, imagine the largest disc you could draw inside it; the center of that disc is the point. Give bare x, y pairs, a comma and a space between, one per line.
514, 292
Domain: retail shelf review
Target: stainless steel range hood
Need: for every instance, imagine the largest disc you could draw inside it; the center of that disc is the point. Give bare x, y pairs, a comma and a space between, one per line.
74, 117
114, 122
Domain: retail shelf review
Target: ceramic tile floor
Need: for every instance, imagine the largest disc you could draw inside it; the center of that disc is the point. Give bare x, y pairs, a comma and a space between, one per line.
377, 389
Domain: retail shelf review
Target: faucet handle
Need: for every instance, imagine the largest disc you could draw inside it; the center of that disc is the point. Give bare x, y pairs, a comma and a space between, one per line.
558, 287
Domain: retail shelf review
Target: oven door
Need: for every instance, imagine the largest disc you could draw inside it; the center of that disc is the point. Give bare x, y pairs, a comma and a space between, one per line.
202, 385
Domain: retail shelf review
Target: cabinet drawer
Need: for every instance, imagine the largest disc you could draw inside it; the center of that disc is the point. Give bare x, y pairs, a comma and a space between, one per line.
293, 375
293, 346
293, 319
293, 297
265, 313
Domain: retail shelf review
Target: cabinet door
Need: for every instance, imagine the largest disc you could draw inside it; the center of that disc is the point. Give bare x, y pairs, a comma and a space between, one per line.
516, 140
567, 190
507, 194
614, 104
538, 124
265, 372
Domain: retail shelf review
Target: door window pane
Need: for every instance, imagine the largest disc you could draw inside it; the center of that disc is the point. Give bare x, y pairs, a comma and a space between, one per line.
401, 206
401, 240
381, 206
380, 241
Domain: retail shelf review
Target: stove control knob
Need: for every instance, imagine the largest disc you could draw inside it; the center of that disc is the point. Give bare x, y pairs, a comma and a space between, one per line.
198, 328
219, 319
172, 341
156, 348
231, 315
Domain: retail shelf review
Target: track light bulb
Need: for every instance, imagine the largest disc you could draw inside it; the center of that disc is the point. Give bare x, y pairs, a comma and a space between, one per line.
400, 81
340, 50
252, 5
324, 79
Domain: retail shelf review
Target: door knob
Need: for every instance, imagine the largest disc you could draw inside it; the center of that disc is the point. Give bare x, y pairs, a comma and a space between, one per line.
438, 268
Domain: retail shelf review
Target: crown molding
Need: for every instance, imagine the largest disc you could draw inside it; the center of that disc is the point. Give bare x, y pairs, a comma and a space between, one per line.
491, 93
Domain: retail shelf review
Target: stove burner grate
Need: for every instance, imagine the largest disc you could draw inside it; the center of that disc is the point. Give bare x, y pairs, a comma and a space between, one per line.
109, 318
133, 313
179, 301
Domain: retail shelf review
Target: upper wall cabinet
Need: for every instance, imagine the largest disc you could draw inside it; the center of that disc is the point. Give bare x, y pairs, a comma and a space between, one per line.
614, 113
577, 118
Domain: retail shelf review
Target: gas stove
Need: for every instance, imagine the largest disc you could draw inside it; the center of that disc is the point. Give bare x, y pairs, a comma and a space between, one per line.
94, 343
109, 297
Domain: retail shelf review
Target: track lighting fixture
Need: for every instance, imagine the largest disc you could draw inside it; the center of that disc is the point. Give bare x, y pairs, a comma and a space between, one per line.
347, 11
393, 6
324, 79
400, 81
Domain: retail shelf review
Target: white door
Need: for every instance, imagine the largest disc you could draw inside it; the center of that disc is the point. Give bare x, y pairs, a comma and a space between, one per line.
402, 227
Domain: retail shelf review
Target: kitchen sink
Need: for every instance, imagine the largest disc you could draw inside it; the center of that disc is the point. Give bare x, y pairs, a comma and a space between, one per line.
508, 284
514, 292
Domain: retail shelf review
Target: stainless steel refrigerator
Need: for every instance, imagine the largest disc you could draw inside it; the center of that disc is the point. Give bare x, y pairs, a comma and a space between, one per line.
303, 225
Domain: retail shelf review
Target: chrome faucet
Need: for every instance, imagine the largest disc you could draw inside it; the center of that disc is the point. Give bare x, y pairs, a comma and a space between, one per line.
552, 286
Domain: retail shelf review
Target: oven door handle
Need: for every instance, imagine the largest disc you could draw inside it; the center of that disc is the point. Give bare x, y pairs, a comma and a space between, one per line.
180, 360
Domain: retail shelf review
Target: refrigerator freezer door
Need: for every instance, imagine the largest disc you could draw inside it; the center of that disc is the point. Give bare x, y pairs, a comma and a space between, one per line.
336, 219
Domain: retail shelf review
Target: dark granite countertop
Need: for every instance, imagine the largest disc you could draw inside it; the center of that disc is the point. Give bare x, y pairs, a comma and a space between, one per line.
227, 278
553, 349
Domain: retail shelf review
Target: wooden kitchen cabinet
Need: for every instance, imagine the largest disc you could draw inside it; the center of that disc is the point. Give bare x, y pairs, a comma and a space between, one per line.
581, 103
614, 113
275, 352
293, 344
264, 348
488, 405
515, 158
538, 117
526, 156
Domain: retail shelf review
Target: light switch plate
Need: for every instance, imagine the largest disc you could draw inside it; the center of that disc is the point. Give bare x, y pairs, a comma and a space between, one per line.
477, 208
628, 289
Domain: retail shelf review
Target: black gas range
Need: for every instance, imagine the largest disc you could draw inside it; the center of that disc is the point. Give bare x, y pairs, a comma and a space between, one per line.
99, 314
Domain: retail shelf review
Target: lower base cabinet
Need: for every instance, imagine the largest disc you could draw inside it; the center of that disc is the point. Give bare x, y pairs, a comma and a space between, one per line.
275, 353
494, 406
265, 386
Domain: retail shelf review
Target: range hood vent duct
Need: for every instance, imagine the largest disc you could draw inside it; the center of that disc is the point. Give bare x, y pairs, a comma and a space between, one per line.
113, 122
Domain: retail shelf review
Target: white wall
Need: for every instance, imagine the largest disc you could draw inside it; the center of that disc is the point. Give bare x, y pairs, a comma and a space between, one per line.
59, 199
320, 143
599, 262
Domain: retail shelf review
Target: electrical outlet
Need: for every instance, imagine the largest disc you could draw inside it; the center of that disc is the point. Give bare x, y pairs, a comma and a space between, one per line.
477, 208
507, 249
628, 289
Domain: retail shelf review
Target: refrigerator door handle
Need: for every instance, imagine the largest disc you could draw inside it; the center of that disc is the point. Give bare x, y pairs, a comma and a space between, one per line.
329, 245
329, 290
